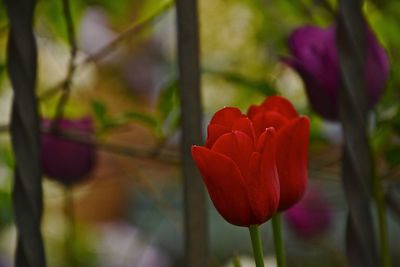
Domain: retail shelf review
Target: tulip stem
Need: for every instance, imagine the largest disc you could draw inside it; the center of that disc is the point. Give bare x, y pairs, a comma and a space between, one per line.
70, 226
257, 245
278, 240
381, 210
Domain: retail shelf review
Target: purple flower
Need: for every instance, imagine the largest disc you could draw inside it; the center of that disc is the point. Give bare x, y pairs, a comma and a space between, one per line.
312, 216
65, 160
314, 57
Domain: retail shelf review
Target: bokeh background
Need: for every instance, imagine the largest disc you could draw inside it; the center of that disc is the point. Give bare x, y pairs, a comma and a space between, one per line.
128, 212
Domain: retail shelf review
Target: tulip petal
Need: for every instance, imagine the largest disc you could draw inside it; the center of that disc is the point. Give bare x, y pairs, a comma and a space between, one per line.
274, 103
280, 105
268, 119
222, 122
377, 68
225, 185
292, 160
308, 43
244, 125
263, 182
238, 146
214, 131
315, 59
67, 161
254, 110
263, 138
227, 116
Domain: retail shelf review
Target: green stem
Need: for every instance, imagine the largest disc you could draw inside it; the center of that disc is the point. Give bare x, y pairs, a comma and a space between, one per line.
257, 246
381, 210
278, 241
70, 232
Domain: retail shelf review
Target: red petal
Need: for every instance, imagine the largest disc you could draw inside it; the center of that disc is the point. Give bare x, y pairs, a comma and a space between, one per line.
264, 120
264, 138
226, 120
274, 103
226, 116
281, 105
254, 110
263, 181
225, 185
292, 161
245, 125
222, 122
213, 132
238, 146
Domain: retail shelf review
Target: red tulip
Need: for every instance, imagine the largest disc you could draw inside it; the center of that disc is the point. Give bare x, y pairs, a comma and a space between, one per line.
65, 160
239, 168
292, 134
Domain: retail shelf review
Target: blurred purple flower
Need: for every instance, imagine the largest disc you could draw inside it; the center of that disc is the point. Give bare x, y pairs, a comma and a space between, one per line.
312, 216
314, 57
65, 160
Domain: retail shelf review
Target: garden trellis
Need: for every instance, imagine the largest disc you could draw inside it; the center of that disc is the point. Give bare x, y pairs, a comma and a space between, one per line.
366, 244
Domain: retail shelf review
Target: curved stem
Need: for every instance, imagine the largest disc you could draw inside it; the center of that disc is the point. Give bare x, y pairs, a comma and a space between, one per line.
257, 246
382, 223
278, 241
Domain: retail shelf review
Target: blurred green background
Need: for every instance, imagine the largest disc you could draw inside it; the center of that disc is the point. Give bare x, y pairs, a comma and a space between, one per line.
129, 213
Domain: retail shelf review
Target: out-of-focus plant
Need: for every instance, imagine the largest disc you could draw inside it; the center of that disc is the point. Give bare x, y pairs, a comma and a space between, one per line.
312, 216
314, 57
67, 161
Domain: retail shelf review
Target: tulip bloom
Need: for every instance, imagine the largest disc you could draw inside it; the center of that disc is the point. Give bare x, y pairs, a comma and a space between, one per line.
65, 160
238, 168
292, 134
312, 216
315, 59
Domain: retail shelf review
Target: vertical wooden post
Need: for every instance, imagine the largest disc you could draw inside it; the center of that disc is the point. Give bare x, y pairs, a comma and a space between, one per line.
356, 161
196, 230
25, 134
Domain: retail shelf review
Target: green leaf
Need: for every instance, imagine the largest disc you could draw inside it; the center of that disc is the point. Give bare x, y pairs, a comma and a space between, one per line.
169, 108
168, 99
99, 110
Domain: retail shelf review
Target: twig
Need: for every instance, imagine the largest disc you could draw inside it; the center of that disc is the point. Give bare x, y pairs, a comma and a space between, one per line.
157, 153
66, 86
135, 27
106, 49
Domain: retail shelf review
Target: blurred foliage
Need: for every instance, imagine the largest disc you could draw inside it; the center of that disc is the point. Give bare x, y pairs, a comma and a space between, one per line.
242, 43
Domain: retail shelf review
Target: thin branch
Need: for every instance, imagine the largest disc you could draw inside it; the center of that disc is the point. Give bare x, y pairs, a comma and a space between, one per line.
158, 152
134, 28
108, 48
66, 86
